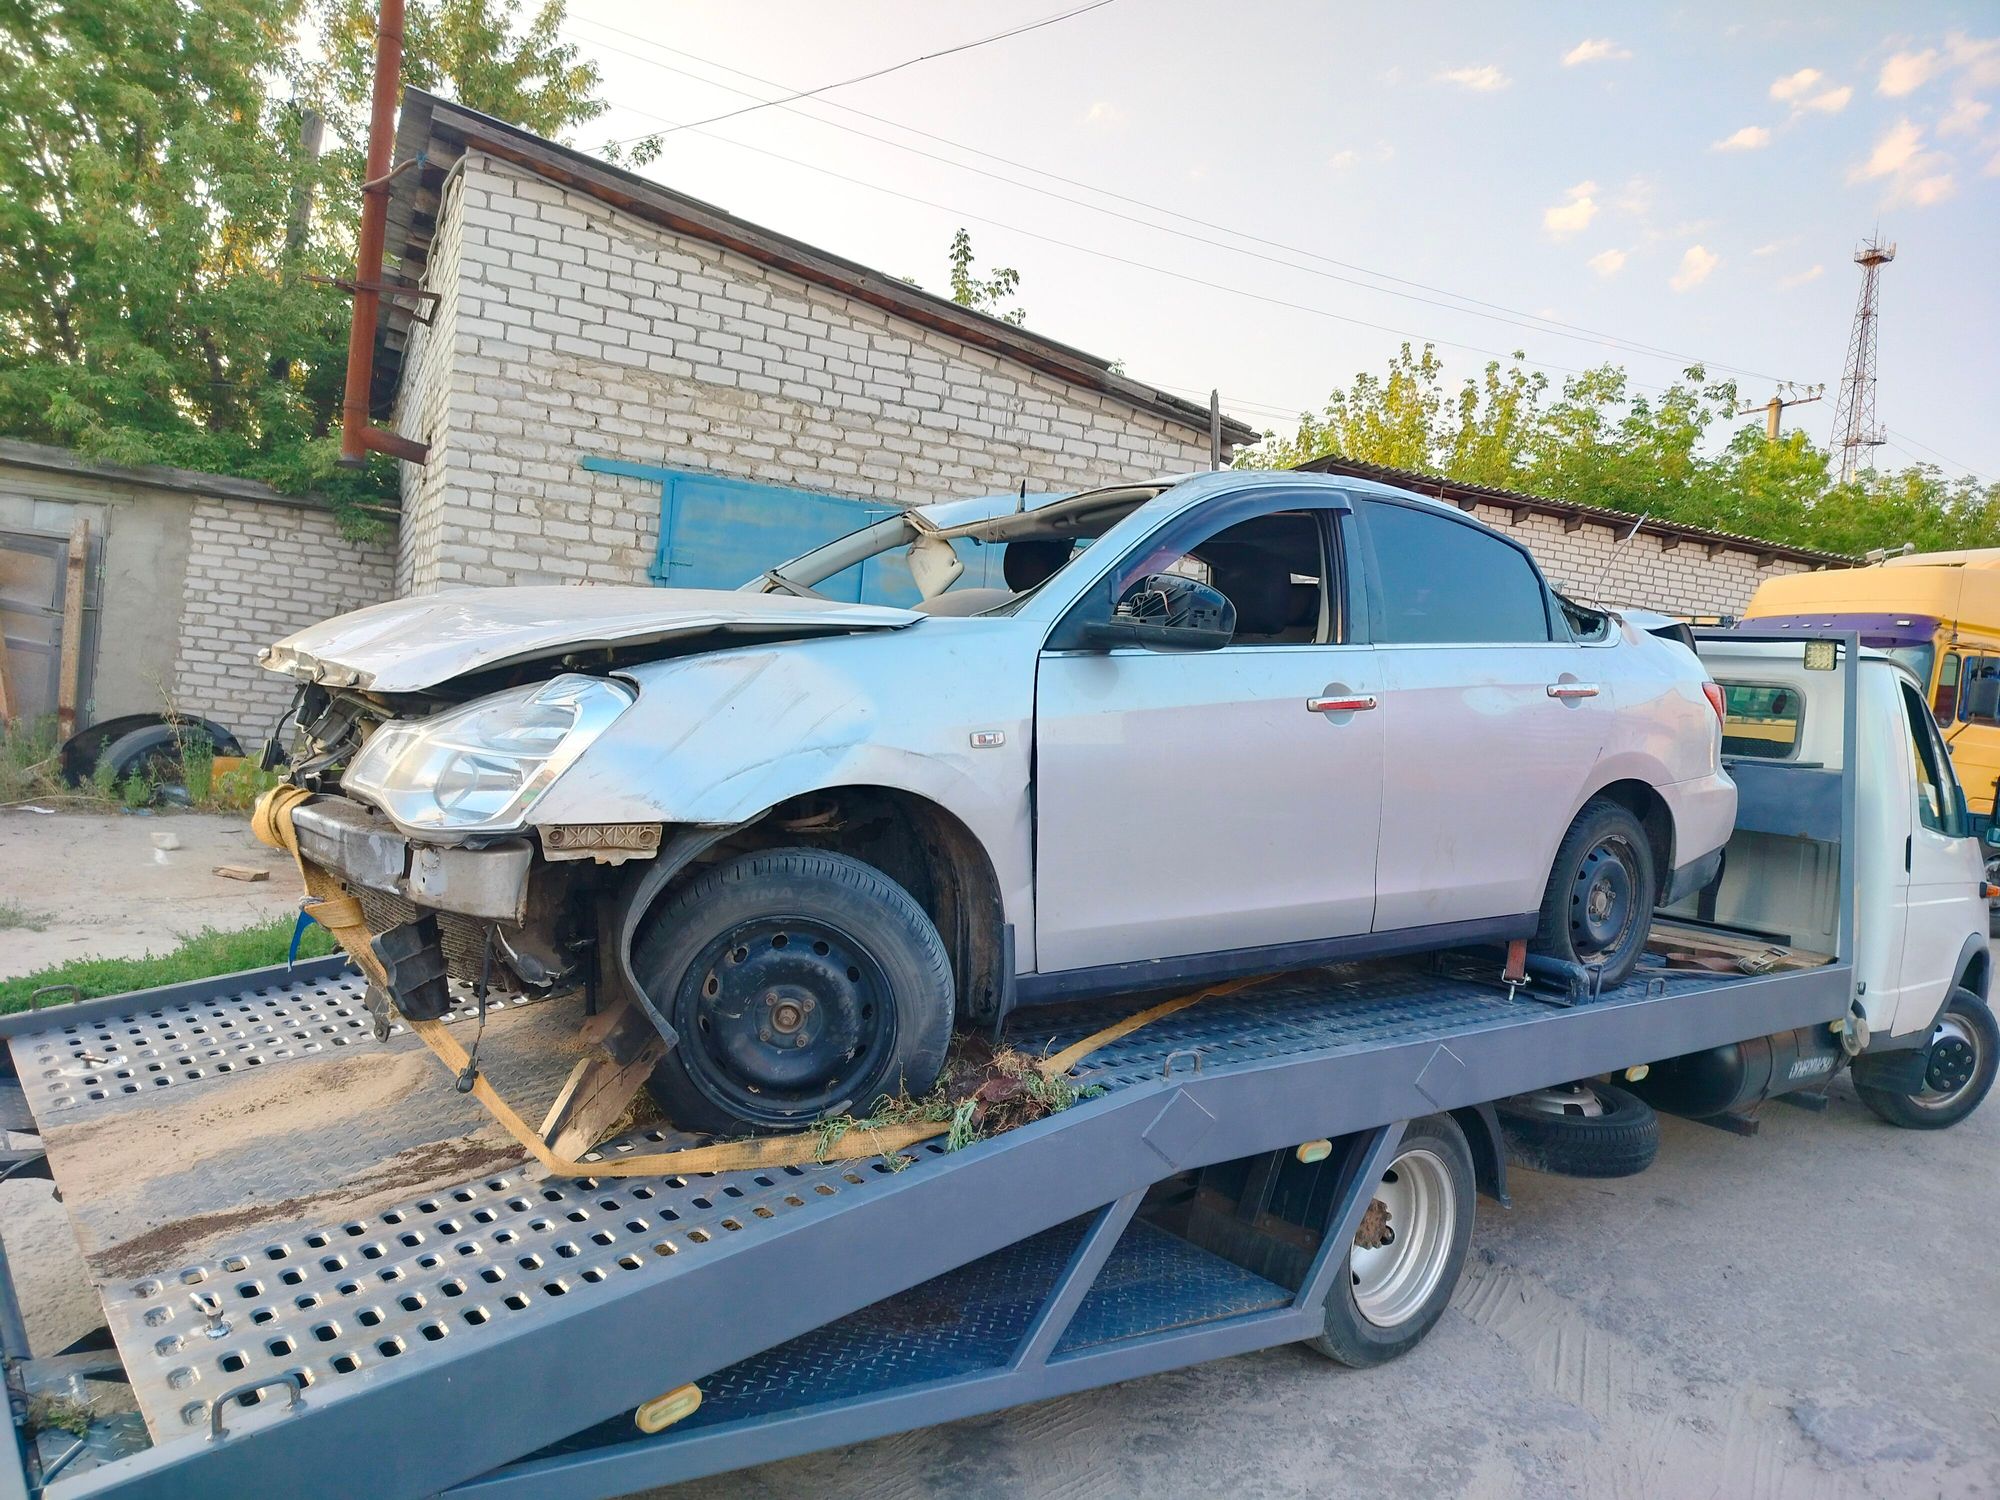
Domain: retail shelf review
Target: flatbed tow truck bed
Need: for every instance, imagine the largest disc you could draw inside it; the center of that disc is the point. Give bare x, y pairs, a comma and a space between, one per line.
324, 1272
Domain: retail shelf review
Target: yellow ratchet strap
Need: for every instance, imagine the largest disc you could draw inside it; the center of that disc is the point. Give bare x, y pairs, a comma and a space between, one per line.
328, 903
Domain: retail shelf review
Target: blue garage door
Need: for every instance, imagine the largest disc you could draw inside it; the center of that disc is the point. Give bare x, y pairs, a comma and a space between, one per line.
719, 533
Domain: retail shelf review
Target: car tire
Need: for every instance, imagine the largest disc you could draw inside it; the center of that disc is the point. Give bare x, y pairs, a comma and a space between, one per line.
803, 984
1387, 1301
1960, 1076
1598, 907
1599, 1131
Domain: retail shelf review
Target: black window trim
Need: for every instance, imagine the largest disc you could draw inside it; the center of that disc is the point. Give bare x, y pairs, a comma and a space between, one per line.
1553, 622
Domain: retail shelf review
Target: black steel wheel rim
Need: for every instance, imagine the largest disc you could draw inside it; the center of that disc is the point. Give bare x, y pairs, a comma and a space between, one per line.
782, 1019
1603, 899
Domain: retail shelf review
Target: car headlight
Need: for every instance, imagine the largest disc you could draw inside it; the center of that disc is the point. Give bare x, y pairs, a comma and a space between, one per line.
480, 767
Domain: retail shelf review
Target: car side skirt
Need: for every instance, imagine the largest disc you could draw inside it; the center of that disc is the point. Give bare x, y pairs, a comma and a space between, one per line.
1233, 963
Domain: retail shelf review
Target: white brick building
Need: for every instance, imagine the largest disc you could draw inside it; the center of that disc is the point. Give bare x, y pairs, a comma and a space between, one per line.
593, 335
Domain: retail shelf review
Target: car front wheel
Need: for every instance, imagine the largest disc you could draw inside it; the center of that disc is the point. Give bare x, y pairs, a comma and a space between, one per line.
1598, 907
803, 984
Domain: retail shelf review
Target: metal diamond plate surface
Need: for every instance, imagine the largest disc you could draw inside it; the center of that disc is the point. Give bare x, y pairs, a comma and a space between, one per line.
67, 1070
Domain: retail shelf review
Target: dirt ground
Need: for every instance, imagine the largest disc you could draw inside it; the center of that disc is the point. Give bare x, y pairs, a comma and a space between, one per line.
100, 887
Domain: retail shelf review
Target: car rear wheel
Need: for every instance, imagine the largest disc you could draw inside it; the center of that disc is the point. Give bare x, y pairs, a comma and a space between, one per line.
802, 984
1598, 907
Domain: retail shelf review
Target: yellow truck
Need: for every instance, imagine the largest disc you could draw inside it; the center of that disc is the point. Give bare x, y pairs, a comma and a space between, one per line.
1938, 613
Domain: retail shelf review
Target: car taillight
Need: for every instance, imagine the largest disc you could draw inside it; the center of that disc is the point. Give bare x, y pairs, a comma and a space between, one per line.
1714, 695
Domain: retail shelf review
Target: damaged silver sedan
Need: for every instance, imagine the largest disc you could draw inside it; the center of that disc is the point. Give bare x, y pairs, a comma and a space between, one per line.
1159, 734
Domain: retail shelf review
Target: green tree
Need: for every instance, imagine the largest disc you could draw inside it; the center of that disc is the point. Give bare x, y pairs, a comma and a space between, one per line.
1600, 443
162, 219
983, 295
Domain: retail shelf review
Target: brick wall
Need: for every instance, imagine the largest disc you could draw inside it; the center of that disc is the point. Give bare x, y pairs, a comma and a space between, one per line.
569, 330
256, 572
1593, 562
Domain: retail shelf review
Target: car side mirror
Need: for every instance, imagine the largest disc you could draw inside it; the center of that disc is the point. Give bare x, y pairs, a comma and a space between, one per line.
1993, 835
1166, 612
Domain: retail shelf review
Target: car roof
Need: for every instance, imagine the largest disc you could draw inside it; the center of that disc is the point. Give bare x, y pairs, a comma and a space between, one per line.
958, 512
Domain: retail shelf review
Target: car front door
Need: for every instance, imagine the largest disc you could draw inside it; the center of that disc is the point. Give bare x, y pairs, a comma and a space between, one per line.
1492, 719
1941, 873
1193, 802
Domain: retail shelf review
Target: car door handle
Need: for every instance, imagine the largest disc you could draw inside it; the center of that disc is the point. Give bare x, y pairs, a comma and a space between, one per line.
1342, 703
1572, 690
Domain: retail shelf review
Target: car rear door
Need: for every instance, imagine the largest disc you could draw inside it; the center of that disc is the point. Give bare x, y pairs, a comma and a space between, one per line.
1492, 718
1197, 802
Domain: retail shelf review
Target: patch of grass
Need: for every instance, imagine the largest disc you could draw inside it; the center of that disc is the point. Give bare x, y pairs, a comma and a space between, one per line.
49, 1413
199, 956
16, 918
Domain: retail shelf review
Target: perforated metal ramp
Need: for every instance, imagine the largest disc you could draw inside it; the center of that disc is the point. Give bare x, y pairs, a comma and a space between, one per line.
273, 1245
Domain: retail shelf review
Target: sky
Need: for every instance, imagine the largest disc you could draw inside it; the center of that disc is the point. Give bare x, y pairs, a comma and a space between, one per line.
1271, 198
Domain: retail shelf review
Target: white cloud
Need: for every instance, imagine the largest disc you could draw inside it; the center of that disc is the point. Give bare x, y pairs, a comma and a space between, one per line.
1892, 154
1574, 213
1907, 72
1749, 138
1104, 112
1978, 57
1636, 197
1595, 49
1794, 86
1483, 79
1800, 278
1696, 265
1964, 117
1773, 247
1924, 191
1340, 161
1607, 262
1828, 101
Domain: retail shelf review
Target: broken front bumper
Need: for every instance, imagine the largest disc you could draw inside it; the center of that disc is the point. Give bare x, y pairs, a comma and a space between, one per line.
365, 849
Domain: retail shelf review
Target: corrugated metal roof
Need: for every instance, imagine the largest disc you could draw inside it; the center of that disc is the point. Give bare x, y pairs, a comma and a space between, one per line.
1573, 516
435, 133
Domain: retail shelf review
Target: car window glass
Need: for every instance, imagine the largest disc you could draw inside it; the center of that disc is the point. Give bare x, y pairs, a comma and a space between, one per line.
1937, 800
1979, 690
1439, 581
1760, 722
1272, 568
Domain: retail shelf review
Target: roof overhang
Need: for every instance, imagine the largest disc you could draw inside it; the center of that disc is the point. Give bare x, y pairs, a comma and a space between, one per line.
433, 134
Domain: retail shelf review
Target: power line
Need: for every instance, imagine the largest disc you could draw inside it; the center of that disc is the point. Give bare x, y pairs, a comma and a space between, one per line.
908, 62
1904, 437
1124, 260
1537, 323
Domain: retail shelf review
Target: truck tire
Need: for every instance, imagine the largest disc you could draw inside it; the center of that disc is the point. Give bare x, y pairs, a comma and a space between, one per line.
1393, 1292
1581, 1130
803, 984
1598, 907
1965, 1051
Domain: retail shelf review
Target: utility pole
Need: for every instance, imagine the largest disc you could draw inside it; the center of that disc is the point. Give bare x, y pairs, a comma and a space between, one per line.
1854, 426
1787, 395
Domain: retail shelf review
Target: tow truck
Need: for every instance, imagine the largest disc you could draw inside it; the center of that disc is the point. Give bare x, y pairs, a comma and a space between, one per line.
325, 1274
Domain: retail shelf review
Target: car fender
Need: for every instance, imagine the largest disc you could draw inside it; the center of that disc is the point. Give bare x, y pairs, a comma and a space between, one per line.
720, 738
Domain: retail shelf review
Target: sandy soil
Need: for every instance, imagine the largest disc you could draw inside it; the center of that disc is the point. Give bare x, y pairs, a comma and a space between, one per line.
100, 887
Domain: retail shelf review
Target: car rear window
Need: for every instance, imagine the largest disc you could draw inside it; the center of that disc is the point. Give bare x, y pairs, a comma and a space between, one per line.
1761, 721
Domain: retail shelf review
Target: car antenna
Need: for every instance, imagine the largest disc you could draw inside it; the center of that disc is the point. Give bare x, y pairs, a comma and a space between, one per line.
1597, 588
1021, 503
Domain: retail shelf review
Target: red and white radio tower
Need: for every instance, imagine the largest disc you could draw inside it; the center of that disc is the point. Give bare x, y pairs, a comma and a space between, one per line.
1854, 425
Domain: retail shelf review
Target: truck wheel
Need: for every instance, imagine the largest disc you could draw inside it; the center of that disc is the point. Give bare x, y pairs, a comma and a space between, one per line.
1598, 907
1965, 1051
802, 984
1581, 1130
1404, 1262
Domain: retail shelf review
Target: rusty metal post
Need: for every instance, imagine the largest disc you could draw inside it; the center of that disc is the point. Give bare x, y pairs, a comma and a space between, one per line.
357, 434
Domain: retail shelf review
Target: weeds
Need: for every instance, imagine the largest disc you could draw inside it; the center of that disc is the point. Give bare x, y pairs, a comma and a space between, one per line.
53, 1413
18, 918
31, 771
981, 1093
197, 762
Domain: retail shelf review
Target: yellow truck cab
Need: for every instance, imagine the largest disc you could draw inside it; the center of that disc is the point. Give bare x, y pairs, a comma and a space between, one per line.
1938, 613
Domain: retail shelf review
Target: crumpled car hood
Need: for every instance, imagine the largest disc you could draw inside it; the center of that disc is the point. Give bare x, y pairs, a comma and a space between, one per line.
408, 645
